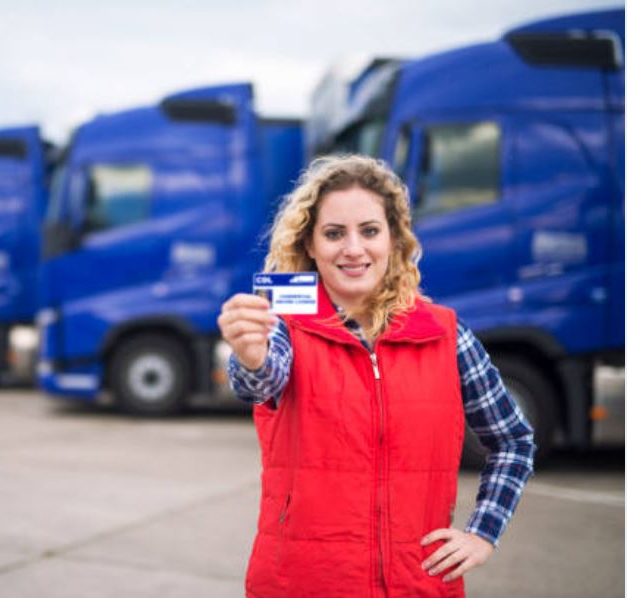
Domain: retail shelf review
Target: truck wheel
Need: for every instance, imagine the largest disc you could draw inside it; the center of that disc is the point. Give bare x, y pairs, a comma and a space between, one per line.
150, 375
534, 395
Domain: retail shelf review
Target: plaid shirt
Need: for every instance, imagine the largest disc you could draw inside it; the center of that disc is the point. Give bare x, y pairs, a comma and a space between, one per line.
490, 412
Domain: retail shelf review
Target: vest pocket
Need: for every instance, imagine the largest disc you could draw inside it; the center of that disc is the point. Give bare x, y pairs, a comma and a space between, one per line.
283, 514
282, 523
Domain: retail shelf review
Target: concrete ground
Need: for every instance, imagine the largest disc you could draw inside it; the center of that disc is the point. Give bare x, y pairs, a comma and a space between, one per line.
94, 504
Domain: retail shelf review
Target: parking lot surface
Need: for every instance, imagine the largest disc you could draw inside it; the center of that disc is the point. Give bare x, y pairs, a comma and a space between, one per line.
95, 504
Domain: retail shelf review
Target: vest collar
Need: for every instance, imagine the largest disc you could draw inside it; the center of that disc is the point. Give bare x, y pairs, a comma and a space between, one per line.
416, 326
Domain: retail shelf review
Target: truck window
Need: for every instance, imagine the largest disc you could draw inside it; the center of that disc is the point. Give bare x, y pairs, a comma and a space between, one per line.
401, 150
460, 167
361, 138
117, 196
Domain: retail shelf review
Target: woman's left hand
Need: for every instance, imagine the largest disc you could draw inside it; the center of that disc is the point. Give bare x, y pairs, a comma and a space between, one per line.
464, 549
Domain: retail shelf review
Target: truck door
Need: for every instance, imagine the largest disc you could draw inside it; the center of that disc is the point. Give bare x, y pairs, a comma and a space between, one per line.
615, 102
23, 195
458, 172
563, 200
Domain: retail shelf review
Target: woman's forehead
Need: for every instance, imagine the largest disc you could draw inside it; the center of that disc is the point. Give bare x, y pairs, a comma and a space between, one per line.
354, 202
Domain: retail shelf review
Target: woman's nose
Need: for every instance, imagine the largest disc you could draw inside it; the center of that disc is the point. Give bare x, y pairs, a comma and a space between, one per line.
353, 245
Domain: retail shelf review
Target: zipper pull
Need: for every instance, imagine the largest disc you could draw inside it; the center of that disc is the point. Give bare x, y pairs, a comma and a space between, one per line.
375, 366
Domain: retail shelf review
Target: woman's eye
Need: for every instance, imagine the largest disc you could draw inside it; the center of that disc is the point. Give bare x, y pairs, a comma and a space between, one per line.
370, 231
333, 235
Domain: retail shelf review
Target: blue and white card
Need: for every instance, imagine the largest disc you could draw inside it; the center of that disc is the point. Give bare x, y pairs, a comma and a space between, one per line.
288, 292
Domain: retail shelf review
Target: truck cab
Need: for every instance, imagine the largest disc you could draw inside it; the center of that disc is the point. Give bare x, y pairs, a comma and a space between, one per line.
156, 217
25, 161
513, 154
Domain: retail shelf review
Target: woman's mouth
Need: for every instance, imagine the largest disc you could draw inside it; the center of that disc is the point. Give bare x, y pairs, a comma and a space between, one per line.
353, 270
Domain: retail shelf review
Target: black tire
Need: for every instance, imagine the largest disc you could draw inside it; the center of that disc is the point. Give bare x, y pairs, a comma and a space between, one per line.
536, 398
150, 375
4, 350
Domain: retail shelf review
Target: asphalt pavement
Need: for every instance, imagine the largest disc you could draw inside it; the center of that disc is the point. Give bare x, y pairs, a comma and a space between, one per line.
95, 504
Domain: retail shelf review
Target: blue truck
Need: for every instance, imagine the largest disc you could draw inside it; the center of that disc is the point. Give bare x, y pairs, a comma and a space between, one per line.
156, 216
513, 153
25, 165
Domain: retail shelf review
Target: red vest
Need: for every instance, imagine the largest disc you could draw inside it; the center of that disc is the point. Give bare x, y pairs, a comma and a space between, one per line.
360, 460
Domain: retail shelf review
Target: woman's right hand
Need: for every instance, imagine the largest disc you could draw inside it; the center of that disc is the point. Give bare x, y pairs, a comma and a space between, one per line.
245, 323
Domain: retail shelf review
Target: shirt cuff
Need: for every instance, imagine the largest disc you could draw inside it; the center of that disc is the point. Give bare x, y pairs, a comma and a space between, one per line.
261, 372
248, 384
487, 524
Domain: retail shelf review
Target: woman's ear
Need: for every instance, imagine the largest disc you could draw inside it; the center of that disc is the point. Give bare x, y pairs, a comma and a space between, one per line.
309, 249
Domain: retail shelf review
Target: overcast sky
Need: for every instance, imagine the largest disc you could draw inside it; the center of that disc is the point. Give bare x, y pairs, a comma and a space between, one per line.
63, 61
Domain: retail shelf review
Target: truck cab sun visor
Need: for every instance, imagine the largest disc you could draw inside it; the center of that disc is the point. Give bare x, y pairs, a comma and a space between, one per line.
210, 111
13, 148
572, 49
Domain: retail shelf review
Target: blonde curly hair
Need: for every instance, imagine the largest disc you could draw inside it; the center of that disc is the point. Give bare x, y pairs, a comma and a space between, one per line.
294, 223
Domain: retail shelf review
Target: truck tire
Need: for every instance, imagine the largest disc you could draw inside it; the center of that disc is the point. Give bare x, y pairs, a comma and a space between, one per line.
535, 396
150, 375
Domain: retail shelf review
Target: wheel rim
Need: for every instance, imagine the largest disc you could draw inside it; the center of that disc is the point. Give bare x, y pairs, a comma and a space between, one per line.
151, 378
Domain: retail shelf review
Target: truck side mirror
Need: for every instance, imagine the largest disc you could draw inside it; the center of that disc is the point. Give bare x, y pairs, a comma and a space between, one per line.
59, 238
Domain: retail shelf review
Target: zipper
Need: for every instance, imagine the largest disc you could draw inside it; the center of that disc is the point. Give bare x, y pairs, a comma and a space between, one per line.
377, 378
375, 366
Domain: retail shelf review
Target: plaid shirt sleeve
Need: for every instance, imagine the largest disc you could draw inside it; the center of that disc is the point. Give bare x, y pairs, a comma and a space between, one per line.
501, 427
268, 382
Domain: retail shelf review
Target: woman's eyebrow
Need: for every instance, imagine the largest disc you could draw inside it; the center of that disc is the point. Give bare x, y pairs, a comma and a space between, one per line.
365, 223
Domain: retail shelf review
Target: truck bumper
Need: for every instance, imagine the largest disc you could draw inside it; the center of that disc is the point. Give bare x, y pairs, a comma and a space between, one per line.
81, 383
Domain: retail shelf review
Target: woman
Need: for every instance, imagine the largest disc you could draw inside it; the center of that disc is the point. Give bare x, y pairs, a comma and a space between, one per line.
360, 408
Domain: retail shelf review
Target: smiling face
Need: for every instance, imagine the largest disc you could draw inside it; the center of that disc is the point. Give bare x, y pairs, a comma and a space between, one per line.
351, 244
